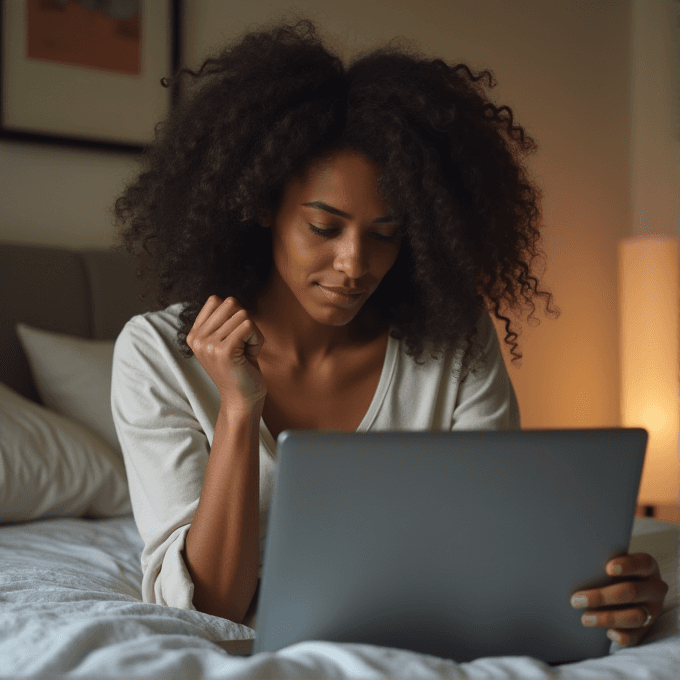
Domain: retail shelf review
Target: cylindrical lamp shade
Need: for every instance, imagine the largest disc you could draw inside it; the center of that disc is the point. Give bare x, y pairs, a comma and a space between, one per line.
649, 305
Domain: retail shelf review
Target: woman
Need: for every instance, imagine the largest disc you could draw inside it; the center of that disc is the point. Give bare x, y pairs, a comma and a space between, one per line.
283, 177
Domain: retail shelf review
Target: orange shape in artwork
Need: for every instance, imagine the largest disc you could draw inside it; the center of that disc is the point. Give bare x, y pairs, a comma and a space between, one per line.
70, 34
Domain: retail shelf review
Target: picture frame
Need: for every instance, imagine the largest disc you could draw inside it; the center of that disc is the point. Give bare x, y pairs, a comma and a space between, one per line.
47, 101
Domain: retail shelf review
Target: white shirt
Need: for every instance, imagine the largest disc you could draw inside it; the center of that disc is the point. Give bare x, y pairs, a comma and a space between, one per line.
165, 408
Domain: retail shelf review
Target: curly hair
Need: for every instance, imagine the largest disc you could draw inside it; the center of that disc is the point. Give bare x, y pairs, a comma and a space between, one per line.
267, 106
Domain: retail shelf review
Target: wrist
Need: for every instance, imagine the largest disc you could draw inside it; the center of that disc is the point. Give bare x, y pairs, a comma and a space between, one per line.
242, 413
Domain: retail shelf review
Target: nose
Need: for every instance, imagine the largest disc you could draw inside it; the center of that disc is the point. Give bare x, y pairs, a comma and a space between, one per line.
352, 256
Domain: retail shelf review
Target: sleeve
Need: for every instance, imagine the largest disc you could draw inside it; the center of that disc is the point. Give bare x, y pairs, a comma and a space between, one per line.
486, 400
165, 452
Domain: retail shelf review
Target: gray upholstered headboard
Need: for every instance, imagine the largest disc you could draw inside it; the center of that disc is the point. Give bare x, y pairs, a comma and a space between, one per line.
87, 293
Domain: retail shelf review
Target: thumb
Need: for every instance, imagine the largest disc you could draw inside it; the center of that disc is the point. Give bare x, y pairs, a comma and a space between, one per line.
252, 344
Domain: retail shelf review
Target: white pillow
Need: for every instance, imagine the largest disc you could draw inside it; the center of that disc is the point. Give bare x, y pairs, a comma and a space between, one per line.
73, 378
51, 466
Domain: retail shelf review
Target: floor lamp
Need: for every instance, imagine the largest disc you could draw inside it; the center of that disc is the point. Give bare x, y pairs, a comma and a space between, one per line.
649, 308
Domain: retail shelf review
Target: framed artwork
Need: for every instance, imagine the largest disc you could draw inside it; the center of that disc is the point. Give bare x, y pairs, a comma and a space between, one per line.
87, 73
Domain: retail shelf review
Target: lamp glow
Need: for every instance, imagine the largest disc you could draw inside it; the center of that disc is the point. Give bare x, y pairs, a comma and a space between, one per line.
649, 307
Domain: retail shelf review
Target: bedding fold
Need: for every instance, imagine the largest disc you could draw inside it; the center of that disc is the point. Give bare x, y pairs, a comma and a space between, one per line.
71, 606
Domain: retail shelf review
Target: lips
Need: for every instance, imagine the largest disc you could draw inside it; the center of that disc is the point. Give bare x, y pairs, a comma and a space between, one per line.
342, 299
344, 291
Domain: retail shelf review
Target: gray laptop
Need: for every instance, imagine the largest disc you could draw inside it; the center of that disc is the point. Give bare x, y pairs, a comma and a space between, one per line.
456, 544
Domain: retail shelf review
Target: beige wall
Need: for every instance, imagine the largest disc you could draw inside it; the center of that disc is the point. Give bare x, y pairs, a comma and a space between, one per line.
655, 180
655, 123
590, 80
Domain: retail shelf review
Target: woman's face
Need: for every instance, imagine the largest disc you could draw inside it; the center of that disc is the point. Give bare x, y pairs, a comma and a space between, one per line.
359, 244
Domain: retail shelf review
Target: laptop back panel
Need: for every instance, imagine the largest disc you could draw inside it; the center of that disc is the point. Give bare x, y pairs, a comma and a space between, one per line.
456, 544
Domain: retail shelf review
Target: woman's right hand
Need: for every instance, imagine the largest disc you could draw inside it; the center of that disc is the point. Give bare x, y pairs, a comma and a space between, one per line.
226, 343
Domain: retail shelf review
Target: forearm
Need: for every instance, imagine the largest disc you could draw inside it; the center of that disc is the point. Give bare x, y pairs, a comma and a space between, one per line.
222, 549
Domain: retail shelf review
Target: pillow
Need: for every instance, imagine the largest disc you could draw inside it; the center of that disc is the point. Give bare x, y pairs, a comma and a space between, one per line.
73, 378
51, 466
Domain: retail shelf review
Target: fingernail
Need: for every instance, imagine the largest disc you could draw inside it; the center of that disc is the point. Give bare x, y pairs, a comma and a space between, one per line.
615, 570
613, 635
579, 601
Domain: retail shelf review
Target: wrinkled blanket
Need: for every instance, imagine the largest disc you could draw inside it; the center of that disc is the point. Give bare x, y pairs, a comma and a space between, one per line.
70, 606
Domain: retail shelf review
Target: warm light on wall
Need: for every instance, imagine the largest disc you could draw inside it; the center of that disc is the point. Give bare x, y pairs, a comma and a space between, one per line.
649, 305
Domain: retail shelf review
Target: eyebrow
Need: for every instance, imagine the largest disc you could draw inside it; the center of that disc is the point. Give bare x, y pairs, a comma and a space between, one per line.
334, 211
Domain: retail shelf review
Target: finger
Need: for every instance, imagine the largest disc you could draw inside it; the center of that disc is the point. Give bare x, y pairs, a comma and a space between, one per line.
625, 619
252, 343
244, 340
219, 317
637, 564
651, 589
222, 332
211, 304
626, 638
252, 337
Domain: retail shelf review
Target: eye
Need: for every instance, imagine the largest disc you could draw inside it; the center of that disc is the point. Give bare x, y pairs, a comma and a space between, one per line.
327, 233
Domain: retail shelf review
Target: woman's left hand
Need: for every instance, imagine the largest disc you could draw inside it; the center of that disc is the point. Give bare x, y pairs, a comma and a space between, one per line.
619, 606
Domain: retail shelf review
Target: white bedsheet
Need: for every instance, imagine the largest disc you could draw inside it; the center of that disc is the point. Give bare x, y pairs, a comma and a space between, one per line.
70, 606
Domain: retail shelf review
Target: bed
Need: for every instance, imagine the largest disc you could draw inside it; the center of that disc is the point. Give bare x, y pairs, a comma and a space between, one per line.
70, 573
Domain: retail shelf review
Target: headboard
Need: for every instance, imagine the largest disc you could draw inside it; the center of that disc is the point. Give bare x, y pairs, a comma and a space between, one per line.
90, 293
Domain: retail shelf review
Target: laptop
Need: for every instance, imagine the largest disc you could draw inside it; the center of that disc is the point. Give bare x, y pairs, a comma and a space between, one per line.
460, 544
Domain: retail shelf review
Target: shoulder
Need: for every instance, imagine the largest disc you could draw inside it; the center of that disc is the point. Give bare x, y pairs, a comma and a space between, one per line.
146, 353
457, 357
144, 333
484, 352
162, 321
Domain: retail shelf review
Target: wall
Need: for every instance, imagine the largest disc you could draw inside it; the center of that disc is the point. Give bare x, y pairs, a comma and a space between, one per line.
655, 119
57, 196
579, 76
655, 176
